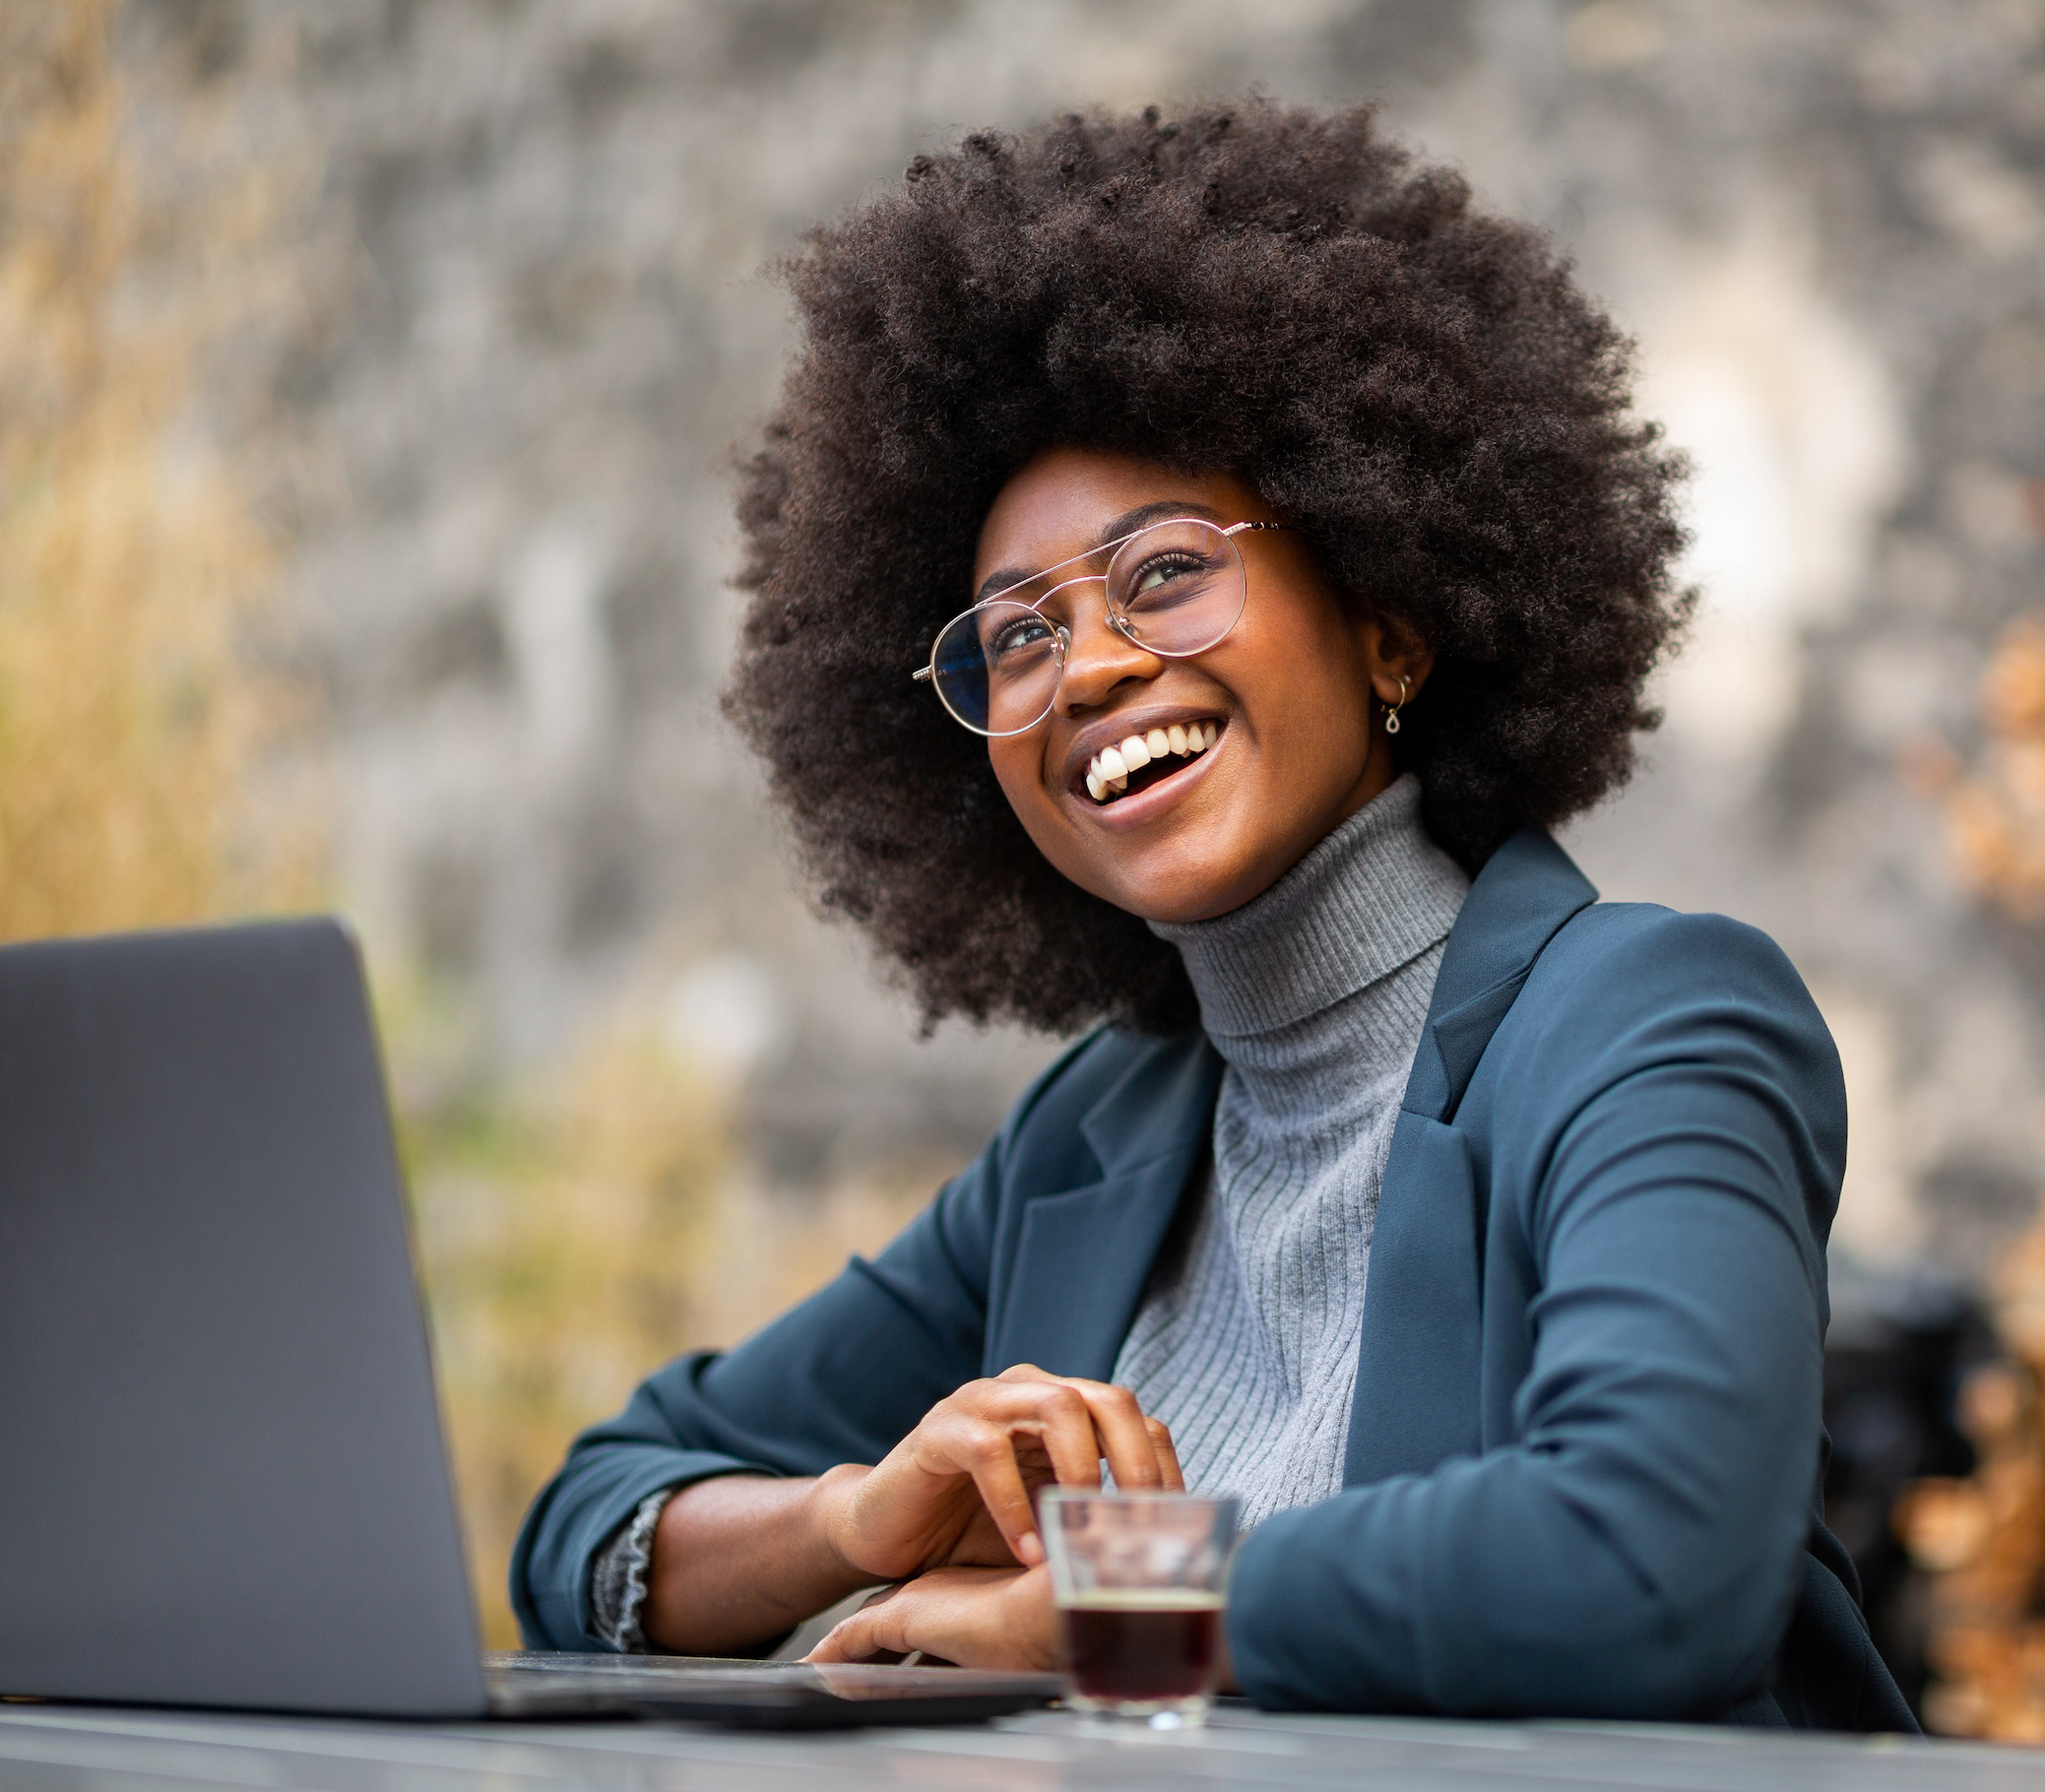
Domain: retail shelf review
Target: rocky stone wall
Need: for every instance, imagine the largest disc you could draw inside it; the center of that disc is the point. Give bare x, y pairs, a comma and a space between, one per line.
531, 323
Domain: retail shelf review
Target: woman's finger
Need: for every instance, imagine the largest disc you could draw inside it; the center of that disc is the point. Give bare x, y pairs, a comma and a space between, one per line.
1121, 1431
976, 1616
1166, 1455
1126, 1438
961, 1441
1047, 1410
865, 1634
1061, 1420
1033, 1421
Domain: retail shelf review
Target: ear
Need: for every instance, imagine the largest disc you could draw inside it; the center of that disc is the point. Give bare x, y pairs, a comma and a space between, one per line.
1395, 657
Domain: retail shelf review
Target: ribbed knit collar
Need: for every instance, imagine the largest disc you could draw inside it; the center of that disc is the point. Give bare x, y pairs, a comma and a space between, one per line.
1371, 896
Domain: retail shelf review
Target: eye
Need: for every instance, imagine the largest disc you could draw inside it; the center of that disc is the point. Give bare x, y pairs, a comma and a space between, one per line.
1155, 579
1017, 634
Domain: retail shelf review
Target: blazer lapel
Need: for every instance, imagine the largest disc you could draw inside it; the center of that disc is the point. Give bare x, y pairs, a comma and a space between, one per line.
1527, 889
1416, 1378
1082, 1257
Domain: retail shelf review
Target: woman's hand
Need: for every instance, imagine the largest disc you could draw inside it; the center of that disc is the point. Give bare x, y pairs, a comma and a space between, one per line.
970, 1617
740, 1559
956, 1492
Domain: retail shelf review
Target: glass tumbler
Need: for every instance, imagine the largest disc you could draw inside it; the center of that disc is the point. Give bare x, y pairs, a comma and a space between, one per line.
1140, 1581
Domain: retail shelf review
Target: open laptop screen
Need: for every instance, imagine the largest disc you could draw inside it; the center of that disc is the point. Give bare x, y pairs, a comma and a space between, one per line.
221, 1477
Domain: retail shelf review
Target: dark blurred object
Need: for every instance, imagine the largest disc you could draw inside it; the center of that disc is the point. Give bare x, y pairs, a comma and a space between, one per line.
1902, 1341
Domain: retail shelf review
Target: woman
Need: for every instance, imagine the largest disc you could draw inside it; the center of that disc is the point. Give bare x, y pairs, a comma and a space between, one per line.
1309, 567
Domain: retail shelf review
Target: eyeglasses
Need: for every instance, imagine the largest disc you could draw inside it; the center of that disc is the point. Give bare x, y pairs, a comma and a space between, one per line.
1173, 588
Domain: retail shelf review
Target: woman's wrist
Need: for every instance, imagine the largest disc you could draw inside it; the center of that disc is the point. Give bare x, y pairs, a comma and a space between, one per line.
827, 1508
744, 1557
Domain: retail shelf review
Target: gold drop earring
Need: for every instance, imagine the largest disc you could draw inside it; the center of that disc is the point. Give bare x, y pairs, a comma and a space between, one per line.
1391, 711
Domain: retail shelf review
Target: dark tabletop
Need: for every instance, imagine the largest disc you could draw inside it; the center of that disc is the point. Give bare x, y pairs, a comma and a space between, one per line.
75, 1748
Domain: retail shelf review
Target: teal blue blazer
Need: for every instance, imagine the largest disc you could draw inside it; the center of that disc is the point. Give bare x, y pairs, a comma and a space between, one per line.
1585, 1445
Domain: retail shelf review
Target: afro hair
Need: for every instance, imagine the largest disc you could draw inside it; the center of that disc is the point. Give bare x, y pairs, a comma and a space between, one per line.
1260, 289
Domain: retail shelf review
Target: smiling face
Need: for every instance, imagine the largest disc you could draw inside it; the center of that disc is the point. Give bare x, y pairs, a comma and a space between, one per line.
1294, 745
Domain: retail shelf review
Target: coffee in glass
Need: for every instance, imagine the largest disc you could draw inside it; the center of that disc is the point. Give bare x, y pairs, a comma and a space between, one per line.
1139, 1581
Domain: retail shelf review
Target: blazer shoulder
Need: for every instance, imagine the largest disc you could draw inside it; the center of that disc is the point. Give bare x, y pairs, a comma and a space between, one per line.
1639, 952
1664, 1024
1626, 987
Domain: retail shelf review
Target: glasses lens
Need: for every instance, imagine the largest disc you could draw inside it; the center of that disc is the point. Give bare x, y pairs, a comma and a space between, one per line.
1178, 588
997, 667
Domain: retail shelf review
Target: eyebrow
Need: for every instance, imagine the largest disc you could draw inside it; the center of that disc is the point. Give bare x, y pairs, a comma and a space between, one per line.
1113, 531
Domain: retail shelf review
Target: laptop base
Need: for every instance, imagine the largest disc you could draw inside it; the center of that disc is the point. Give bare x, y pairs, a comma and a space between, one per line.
539, 1686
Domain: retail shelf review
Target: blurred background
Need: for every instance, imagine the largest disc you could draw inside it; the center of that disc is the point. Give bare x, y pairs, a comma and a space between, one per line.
369, 374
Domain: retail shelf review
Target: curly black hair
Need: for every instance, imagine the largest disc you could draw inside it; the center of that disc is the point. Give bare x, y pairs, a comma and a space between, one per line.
1258, 289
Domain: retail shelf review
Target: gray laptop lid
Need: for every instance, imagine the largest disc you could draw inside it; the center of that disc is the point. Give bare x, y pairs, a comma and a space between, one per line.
221, 1479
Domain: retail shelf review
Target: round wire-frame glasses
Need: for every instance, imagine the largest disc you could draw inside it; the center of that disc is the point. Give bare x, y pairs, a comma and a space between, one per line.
1173, 588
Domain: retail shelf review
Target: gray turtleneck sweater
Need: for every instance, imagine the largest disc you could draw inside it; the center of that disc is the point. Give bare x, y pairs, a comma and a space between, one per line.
1315, 994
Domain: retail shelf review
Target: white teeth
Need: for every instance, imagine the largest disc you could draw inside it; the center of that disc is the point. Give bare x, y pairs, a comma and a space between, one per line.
1108, 774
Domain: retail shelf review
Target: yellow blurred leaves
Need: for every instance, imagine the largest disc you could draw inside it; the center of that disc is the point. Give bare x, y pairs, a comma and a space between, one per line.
1982, 1539
560, 1232
128, 563
1996, 819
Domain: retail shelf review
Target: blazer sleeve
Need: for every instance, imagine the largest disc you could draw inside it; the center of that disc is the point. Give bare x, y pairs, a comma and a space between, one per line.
841, 1378
1668, 1120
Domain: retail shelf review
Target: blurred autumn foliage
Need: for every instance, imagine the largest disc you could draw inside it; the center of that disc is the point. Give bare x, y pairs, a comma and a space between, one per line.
1981, 1539
130, 571
564, 1229
1996, 818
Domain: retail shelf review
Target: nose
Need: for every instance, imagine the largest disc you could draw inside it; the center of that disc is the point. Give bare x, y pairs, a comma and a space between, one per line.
1098, 657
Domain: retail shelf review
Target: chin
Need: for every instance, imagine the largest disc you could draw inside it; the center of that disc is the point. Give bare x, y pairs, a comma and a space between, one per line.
1174, 904
1192, 876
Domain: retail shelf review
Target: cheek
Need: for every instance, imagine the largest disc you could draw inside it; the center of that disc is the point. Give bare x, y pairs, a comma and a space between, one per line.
1018, 770
1009, 773
1323, 695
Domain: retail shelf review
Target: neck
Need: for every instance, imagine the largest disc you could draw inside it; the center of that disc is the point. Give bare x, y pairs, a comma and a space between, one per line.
1371, 896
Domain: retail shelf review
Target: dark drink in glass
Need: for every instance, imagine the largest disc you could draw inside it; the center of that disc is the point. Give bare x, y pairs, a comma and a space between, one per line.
1140, 1581
1146, 1648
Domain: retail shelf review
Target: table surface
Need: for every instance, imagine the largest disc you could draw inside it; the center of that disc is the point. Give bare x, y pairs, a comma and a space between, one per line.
79, 1748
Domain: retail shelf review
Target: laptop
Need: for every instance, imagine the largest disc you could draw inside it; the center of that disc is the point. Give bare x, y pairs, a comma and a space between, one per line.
222, 1474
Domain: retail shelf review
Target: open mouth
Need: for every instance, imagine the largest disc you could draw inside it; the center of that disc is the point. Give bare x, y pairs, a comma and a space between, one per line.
1140, 761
